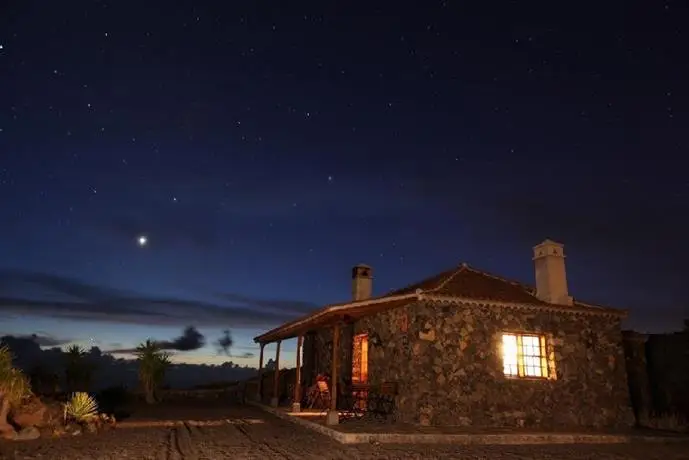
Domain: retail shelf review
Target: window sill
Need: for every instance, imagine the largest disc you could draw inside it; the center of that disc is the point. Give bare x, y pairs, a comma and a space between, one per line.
528, 379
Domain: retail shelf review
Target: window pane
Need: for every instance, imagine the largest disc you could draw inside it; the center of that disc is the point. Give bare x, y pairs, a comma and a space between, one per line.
524, 355
509, 354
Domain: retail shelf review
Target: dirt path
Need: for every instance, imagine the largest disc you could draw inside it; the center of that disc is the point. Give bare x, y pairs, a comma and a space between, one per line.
247, 433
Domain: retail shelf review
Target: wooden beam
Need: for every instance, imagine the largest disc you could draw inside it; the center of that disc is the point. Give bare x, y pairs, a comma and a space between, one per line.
259, 390
276, 376
333, 367
296, 402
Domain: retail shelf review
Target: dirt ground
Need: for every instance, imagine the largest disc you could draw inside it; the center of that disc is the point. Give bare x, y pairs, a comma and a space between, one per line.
214, 432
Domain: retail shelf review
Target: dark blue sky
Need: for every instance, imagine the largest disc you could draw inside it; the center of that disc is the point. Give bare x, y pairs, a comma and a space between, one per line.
266, 147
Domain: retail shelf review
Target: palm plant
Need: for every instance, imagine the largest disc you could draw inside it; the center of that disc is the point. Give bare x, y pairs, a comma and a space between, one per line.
77, 369
14, 386
153, 362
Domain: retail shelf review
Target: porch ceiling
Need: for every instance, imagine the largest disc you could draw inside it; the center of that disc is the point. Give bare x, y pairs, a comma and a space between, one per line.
329, 316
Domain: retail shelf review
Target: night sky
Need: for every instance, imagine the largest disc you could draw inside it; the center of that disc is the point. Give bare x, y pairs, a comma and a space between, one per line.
264, 148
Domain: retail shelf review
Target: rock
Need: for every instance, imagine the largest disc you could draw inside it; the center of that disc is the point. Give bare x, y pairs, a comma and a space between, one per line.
91, 426
34, 412
427, 335
30, 413
7, 431
28, 433
73, 429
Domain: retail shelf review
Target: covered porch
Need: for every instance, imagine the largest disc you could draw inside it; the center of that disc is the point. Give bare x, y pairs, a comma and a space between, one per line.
340, 398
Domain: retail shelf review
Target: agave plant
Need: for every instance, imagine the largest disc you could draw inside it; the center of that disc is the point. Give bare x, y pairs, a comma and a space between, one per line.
81, 407
153, 362
14, 385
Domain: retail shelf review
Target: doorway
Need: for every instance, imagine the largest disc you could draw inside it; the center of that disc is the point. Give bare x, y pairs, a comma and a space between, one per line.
360, 370
360, 359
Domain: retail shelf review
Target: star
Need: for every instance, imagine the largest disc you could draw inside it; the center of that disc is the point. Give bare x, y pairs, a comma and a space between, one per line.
142, 240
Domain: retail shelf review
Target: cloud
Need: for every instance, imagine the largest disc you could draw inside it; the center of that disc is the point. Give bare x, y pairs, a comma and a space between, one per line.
244, 356
295, 306
60, 297
44, 340
191, 339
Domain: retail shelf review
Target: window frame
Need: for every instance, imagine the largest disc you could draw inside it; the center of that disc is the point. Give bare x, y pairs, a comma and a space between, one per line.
544, 356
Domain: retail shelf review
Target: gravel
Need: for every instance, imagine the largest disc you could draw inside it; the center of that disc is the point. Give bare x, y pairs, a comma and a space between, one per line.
248, 433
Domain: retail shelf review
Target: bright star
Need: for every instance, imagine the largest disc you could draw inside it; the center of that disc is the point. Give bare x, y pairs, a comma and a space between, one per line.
142, 240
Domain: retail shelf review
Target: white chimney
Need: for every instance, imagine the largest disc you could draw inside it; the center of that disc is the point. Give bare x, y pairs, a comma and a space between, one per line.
551, 278
362, 282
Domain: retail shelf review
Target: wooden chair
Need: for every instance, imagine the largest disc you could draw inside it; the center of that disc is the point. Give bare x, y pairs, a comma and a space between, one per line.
323, 396
319, 395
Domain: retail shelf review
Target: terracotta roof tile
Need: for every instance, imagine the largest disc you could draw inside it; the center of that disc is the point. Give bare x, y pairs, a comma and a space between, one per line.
468, 282
463, 282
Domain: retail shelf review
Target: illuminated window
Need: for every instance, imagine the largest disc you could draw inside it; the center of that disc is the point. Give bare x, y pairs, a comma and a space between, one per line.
360, 359
524, 355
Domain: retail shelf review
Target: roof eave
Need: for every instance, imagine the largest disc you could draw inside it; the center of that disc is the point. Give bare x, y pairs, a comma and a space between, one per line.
284, 331
578, 307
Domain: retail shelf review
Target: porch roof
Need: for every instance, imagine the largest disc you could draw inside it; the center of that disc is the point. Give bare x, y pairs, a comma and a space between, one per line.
335, 313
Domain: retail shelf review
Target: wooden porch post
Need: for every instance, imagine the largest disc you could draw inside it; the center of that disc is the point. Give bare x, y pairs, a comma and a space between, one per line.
276, 376
333, 417
296, 401
259, 389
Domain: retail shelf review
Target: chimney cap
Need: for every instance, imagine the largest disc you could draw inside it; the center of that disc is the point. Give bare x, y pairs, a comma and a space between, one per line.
549, 242
548, 248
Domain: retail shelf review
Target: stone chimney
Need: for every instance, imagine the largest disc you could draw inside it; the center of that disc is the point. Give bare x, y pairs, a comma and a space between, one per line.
551, 278
362, 282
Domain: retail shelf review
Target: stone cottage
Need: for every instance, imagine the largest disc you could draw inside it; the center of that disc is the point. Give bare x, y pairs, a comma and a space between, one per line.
466, 347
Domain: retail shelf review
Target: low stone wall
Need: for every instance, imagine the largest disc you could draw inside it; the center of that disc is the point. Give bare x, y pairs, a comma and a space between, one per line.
658, 370
285, 386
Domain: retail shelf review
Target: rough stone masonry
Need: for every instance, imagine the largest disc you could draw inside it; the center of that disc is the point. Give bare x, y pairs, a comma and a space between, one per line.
449, 370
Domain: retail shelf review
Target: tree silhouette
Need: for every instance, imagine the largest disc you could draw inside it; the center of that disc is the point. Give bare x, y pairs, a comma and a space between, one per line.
78, 369
225, 343
153, 362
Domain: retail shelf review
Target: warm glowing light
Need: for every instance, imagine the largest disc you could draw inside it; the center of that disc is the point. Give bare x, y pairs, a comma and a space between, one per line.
509, 354
360, 359
524, 356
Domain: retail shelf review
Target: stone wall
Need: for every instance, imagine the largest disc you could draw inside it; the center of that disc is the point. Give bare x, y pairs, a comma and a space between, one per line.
446, 361
317, 355
637, 373
285, 385
668, 372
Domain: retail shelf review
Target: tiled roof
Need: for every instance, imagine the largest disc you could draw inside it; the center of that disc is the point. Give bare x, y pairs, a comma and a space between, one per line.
463, 283
467, 282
